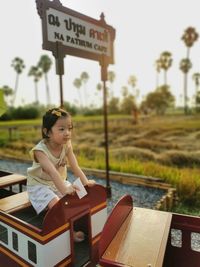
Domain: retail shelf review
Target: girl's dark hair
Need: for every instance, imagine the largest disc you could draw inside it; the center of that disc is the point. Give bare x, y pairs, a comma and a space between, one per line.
50, 118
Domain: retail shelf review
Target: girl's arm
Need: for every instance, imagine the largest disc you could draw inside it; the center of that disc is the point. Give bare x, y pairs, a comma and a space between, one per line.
76, 169
50, 169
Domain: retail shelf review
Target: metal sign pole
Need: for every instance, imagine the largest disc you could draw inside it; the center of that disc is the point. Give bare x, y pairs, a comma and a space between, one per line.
104, 79
61, 91
60, 70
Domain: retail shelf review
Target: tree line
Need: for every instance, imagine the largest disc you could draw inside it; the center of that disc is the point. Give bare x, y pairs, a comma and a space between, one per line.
158, 100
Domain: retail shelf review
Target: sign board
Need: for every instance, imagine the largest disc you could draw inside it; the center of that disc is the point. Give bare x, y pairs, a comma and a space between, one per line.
74, 33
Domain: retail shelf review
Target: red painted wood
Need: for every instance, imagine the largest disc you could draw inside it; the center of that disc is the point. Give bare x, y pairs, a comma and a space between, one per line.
183, 256
114, 222
108, 263
71, 206
62, 214
12, 261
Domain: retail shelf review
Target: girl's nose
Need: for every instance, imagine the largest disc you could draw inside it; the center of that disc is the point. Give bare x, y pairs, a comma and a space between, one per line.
67, 131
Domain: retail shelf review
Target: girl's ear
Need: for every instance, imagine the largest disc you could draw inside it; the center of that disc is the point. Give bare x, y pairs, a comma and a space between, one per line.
45, 132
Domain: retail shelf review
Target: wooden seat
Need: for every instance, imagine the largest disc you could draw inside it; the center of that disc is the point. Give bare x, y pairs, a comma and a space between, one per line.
12, 179
15, 202
141, 240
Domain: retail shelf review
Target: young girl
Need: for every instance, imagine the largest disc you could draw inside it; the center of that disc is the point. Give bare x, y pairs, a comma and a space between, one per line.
46, 182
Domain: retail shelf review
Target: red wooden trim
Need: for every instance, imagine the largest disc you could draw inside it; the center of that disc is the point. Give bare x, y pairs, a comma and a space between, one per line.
32, 231
98, 208
183, 256
8, 258
109, 263
65, 262
96, 238
20, 225
70, 206
114, 222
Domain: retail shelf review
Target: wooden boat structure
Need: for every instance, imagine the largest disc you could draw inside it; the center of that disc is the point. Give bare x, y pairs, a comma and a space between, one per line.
129, 236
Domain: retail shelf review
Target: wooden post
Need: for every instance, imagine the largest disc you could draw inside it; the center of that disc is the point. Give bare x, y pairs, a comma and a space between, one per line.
60, 70
104, 79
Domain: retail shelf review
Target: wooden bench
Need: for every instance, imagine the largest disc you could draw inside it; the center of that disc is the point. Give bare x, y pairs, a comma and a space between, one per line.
141, 240
12, 179
15, 202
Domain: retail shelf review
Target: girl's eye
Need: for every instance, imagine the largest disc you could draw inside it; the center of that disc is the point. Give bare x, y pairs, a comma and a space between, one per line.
62, 129
68, 128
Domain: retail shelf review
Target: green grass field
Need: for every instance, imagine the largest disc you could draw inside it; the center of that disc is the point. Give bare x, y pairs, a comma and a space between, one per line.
166, 147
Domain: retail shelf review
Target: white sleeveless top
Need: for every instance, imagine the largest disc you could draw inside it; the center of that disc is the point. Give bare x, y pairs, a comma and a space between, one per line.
37, 176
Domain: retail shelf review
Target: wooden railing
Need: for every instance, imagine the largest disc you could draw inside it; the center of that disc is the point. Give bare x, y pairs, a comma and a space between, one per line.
166, 203
14, 128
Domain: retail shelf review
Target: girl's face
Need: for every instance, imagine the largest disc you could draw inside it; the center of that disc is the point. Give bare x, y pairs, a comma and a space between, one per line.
61, 131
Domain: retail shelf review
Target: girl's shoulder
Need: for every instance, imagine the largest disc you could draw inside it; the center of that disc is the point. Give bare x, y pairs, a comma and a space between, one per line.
40, 146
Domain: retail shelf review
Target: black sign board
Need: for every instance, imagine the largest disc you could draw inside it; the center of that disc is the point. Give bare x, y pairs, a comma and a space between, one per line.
77, 34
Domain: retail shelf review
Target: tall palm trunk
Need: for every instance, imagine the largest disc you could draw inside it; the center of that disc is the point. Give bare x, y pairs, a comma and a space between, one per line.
47, 89
15, 90
165, 77
196, 94
36, 93
185, 86
80, 99
157, 79
85, 94
185, 94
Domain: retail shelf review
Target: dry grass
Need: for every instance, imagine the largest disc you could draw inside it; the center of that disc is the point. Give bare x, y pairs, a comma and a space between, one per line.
170, 140
125, 153
180, 158
165, 147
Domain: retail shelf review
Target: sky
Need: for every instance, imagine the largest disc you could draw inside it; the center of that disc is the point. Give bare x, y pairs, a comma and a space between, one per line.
144, 29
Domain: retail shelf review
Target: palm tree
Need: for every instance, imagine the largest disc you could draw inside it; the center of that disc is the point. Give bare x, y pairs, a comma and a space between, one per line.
132, 81
18, 65
45, 64
3, 106
99, 87
185, 66
196, 79
124, 91
111, 79
111, 76
84, 78
165, 62
37, 74
7, 92
77, 83
158, 68
189, 37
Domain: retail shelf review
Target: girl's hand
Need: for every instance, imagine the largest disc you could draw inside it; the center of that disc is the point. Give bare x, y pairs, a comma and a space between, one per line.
90, 183
70, 189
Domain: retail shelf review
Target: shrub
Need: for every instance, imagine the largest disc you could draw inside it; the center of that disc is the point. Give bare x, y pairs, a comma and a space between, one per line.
180, 158
189, 187
155, 145
125, 153
27, 112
